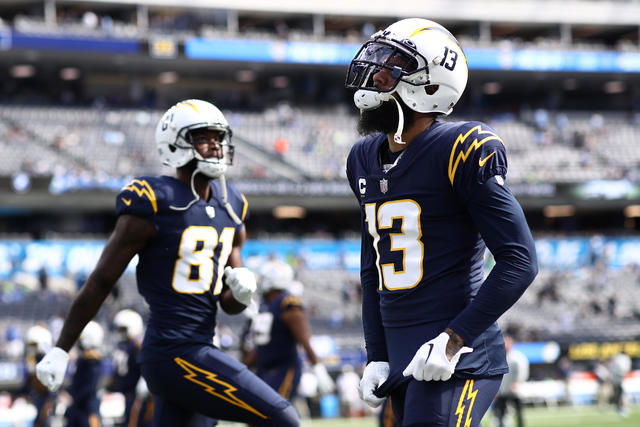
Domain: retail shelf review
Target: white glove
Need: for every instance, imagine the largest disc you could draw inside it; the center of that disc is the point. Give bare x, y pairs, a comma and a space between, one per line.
430, 362
51, 369
325, 382
242, 283
375, 373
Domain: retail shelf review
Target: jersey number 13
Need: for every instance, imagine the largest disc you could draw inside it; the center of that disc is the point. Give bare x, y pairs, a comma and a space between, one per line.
408, 241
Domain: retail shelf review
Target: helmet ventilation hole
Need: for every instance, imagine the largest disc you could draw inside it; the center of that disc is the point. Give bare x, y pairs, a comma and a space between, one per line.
172, 148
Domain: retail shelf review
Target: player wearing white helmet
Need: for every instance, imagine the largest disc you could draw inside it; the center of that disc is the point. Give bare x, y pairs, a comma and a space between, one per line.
188, 232
126, 376
433, 198
37, 342
424, 67
276, 331
85, 408
129, 324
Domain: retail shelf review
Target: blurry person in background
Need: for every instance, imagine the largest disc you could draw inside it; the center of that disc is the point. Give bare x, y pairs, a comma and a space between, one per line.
347, 386
433, 198
603, 378
509, 395
619, 366
129, 326
38, 341
565, 369
84, 410
276, 331
187, 231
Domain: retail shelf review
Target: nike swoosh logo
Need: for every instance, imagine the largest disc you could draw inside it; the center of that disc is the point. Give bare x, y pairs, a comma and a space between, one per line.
126, 201
430, 350
481, 162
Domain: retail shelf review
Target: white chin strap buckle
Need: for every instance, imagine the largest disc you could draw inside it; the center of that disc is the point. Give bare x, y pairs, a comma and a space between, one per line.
368, 99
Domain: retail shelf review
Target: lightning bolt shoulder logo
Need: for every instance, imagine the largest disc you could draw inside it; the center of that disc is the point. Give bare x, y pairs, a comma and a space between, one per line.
481, 136
126, 201
215, 386
142, 189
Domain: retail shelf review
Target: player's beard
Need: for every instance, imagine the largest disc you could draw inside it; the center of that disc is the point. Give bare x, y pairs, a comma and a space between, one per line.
384, 118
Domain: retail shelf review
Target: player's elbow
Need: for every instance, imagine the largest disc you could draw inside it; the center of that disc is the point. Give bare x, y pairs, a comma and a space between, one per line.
530, 272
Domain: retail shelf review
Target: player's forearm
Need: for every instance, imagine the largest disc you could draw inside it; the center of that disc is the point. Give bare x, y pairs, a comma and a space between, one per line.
83, 309
506, 283
375, 343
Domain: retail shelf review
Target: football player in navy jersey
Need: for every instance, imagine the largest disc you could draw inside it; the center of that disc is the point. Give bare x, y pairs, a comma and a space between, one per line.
126, 376
188, 232
433, 197
84, 410
38, 342
277, 329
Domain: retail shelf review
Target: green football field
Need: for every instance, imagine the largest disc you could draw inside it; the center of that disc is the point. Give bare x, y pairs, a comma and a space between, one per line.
589, 416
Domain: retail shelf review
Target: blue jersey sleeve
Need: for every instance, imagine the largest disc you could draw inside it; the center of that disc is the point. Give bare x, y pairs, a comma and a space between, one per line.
479, 182
374, 338
375, 342
138, 198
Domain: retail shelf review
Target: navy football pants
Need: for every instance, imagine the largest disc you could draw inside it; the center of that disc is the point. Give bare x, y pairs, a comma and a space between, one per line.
456, 402
205, 380
283, 378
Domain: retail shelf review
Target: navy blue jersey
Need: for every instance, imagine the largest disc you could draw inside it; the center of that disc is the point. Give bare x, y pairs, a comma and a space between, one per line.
84, 385
127, 369
180, 271
426, 223
275, 344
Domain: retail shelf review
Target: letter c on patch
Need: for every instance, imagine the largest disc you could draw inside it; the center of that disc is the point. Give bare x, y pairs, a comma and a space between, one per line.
362, 185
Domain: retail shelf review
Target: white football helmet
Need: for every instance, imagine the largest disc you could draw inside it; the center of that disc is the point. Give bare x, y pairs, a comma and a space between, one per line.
91, 336
40, 338
174, 142
129, 321
418, 53
275, 275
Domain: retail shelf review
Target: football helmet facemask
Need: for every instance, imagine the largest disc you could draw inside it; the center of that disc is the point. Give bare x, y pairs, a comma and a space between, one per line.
427, 65
175, 142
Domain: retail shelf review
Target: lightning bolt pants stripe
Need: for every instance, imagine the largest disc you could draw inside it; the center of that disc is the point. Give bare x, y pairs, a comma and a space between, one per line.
458, 402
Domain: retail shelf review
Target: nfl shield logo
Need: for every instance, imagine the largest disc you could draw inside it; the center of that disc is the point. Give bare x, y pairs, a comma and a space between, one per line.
210, 211
384, 185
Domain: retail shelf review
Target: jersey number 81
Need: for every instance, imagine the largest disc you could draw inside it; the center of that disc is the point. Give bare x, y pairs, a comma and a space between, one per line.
193, 271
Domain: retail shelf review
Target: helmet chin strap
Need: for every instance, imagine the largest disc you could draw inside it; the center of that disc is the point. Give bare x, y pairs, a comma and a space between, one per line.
225, 202
369, 99
193, 190
397, 137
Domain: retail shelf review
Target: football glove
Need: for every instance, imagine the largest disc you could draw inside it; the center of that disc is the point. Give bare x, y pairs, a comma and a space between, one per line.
325, 382
375, 373
51, 369
242, 283
430, 362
